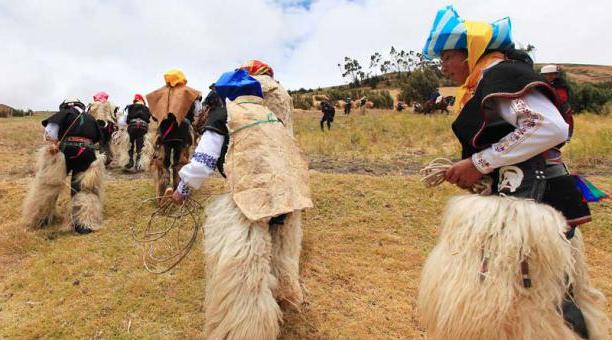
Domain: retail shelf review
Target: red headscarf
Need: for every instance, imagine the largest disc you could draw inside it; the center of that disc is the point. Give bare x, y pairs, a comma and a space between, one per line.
100, 96
256, 67
138, 98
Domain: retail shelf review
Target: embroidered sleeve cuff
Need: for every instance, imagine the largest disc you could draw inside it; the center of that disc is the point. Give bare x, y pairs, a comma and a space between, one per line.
481, 163
184, 189
206, 159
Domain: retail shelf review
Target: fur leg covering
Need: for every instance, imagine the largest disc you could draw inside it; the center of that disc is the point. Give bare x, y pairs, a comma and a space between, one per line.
239, 281
147, 152
161, 175
286, 249
591, 301
87, 204
472, 285
119, 146
39, 204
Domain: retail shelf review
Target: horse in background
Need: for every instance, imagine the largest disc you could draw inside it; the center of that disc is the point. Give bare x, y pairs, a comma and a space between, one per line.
431, 106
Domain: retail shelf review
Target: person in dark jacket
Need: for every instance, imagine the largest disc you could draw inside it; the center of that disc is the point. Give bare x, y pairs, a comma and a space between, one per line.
137, 121
328, 114
347, 105
72, 135
552, 75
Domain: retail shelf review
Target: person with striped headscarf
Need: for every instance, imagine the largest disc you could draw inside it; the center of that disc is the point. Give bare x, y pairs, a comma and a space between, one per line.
515, 266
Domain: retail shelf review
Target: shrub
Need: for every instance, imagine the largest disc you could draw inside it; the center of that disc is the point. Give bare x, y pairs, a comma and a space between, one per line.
302, 101
419, 86
589, 97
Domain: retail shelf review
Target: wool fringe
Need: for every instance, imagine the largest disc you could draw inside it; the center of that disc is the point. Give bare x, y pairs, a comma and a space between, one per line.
239, 285
39, 205
471, 285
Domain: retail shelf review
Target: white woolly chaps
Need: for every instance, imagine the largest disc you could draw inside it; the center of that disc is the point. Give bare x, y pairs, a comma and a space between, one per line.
87, 204
119, 145
286, 248
39, 204
591, 301
239, 280
147, 152
472, 282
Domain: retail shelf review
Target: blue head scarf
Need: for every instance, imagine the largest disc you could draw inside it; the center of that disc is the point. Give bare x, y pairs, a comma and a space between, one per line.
449, 32
237, 83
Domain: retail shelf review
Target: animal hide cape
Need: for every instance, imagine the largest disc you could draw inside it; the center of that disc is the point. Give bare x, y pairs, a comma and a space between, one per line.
176, 100
266, 171
103, 111
277, 99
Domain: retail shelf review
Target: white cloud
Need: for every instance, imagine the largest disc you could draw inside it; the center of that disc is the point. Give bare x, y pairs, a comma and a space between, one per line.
55, 49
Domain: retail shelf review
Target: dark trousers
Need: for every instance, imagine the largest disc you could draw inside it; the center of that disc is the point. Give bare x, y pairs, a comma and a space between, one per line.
172, 158
136, 141
78, 159
327, 118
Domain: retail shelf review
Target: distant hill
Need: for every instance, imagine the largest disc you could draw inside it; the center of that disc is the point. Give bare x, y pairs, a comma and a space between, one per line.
586, 73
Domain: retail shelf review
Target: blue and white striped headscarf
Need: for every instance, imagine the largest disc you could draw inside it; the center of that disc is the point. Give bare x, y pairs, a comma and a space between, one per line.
449, 33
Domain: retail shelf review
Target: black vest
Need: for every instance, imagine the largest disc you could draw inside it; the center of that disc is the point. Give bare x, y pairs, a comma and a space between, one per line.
476, 127
85, 125
217, 122
138, 111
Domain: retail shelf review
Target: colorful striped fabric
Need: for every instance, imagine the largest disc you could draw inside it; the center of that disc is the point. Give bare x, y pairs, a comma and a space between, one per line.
256, 68
449, 32
590, 192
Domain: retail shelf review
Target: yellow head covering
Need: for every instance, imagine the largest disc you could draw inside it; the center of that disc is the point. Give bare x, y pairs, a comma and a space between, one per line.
478, 38
175, 77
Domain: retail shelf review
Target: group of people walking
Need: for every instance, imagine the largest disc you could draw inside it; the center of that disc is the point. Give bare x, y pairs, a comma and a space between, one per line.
509, 263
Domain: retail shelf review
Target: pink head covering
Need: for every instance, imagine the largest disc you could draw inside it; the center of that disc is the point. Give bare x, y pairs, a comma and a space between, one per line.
100, 97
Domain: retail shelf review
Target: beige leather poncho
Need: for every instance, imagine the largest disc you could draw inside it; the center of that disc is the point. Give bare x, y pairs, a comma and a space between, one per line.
265, 169
277, 99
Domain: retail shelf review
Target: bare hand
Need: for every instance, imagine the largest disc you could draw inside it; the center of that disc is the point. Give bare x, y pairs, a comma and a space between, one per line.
463, 173
177, 197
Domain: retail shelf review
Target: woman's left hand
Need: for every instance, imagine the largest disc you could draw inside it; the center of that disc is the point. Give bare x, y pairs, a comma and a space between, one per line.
463, 173
177, 197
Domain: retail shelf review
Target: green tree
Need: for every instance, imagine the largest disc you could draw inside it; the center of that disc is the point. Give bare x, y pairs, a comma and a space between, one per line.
352, 70
419, 86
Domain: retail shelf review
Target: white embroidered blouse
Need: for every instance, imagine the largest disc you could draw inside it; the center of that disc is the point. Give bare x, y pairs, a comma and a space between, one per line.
539, 127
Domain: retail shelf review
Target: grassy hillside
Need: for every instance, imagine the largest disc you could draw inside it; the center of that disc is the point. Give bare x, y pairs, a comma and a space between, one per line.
364, 241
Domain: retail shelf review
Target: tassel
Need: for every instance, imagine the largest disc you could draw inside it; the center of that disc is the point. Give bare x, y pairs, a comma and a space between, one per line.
590, 192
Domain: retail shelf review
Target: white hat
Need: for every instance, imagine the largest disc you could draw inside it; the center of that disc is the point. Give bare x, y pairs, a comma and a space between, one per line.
549, 69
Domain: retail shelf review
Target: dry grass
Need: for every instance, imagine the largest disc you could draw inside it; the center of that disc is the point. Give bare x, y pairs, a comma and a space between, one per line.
364, 243
406, 141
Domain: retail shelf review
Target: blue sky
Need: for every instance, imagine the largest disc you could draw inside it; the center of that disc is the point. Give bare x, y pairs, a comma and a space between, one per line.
66, 48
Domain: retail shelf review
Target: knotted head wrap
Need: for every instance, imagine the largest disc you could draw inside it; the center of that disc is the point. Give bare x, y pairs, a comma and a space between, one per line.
450, 32
175, 77
256, 68
237, 83
100, 96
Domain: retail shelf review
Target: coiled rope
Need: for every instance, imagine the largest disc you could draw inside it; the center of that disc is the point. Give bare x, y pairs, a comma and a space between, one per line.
434, 174
169, 234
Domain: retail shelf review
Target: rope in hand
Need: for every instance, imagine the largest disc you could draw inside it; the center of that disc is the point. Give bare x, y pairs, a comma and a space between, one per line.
169, 234
434, 174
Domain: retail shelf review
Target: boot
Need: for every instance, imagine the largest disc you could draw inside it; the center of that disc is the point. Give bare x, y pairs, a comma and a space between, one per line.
137, 164
81, 229
131, 162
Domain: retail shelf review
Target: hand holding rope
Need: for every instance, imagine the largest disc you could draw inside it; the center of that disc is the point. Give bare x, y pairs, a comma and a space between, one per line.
435, 172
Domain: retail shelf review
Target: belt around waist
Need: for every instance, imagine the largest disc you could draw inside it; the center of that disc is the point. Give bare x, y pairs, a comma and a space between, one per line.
76, 139
556, 170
